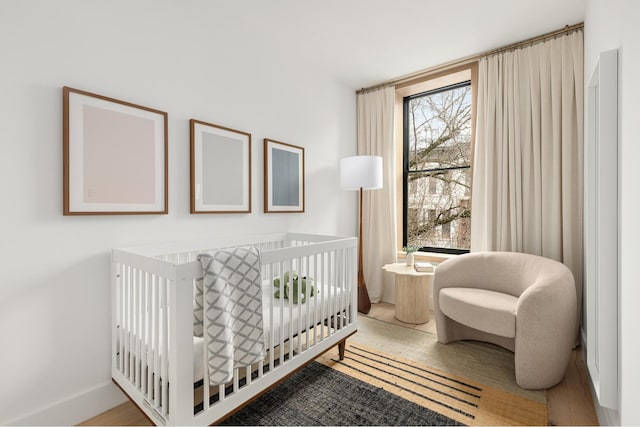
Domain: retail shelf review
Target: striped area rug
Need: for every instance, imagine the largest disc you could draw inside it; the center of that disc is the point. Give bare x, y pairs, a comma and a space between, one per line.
463, 400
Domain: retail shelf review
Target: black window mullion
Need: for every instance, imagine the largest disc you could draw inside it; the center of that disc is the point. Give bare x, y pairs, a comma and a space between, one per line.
405, 168
455, 168
439, 90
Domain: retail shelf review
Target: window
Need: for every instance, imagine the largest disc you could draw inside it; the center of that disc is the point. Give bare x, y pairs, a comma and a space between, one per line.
437, 169
446, 230
433, 186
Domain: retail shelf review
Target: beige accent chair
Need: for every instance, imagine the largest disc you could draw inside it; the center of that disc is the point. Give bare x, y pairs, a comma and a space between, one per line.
524, 303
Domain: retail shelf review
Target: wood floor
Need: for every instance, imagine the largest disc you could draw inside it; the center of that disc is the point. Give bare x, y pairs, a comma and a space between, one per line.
568, 403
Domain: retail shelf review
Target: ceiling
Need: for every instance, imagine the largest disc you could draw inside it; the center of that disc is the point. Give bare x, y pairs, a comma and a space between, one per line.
364, 42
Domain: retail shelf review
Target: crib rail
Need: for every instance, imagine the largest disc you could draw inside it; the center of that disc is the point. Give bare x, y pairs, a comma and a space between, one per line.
141, 337
163, 368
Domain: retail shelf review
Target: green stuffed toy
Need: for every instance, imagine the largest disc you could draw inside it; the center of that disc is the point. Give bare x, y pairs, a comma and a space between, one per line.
292, 289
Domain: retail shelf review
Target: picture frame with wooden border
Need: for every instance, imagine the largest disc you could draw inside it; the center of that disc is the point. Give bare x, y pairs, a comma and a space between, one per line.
220, 169
283, 177
115, 156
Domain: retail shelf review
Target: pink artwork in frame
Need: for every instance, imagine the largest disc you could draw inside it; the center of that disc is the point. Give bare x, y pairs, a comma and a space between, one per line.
114, 156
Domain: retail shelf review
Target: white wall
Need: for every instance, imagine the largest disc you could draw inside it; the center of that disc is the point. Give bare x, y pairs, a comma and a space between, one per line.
612, 24
201, 60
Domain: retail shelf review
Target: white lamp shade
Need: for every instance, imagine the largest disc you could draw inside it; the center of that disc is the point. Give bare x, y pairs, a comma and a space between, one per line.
361, 172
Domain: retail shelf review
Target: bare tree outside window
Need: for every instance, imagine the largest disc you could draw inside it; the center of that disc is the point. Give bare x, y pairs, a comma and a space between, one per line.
437, 150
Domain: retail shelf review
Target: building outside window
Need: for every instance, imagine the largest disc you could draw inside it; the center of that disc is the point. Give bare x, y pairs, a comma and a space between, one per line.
437, 169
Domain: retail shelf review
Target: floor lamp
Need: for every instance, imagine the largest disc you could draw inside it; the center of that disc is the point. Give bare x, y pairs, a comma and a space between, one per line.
361, 173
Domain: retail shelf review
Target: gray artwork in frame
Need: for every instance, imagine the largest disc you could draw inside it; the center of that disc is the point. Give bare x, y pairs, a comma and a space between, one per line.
220, 169
283, 177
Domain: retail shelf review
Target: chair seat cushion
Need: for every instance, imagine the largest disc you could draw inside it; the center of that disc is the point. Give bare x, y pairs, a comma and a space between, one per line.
488, 311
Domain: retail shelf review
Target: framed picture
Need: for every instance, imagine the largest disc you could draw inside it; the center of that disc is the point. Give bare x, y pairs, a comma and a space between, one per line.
283, 177
220, 169
114, 156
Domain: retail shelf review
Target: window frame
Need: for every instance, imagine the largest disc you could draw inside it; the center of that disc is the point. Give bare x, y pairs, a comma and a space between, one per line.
405, 158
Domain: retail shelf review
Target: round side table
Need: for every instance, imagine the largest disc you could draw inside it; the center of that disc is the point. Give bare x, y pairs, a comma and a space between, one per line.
412, 293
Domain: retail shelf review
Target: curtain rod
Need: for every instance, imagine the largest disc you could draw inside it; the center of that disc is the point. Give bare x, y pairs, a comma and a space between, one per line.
568, 29
539, 39
443, 67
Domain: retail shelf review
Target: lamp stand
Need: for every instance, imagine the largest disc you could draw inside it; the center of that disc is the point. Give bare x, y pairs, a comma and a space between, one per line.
364, 303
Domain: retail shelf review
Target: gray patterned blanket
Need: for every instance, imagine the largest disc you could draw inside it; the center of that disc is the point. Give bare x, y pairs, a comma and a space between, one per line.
229, 303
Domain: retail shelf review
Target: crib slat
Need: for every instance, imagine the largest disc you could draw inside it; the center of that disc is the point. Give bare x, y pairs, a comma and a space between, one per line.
344, 287
339, 294
329, 291
343, 291
121, 315
143, 334
205, 394
290, 310
205, 376
299, 305
138, 330
338, 298
125, 325
271, 324
139, 316
134, 325
334, 281
353, 286
307, 318
328, 273
281, 326
164, 357
315, 299
206, 389
149, 351
236, 381
127, 342
322, 295
334, 290
156, 341
353, 283
132, 338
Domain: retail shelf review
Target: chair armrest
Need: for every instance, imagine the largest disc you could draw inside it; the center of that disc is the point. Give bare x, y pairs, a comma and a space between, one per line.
545, 324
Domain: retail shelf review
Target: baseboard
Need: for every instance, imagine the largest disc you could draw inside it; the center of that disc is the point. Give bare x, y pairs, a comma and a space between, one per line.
606, 416
74, 409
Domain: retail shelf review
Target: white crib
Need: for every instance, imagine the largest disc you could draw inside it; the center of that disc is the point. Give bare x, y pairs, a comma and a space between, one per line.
160, 365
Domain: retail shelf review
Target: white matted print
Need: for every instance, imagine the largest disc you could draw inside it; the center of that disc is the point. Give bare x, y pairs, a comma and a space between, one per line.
220, 169
114, 156
284, 177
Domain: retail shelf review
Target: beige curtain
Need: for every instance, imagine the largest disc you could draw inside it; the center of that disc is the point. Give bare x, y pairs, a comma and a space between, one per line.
528, 163
375, 138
